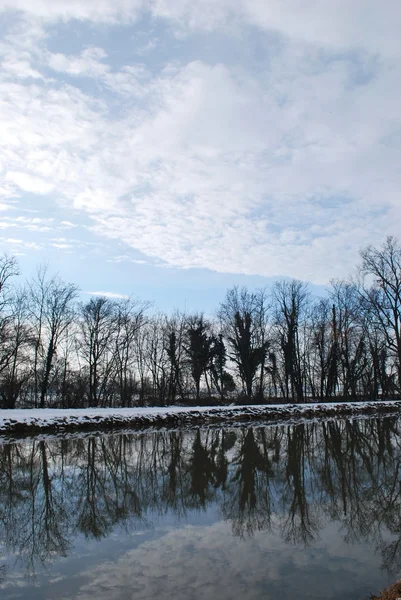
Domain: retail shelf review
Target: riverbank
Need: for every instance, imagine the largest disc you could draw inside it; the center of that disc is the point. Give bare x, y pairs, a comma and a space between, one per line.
391, 593
34, 421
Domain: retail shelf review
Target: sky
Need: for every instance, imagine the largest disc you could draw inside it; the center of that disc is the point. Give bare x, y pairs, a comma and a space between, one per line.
171, 149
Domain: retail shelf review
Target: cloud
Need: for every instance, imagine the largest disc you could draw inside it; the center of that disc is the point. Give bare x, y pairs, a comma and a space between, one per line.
29, 183
102, 11
62, 246
68, 225
16, 244
238, 173
113, 295
126, 258
283, 164
87, 64
339, 24
208, 562
29, 223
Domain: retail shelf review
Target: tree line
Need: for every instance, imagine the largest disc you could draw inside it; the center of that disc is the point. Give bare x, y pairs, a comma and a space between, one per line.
273, 344
287, 480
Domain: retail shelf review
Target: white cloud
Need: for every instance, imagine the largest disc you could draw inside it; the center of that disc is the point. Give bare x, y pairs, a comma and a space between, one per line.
236, 182
208, 562
92, 10
62, 246
87, 64
16, 243
126, 258
31, 224
340, 24
113, 295
29, 183
68, 225
286, 169
20, 69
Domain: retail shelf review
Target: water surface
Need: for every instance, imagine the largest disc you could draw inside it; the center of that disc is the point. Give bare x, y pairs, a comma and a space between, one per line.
306, 511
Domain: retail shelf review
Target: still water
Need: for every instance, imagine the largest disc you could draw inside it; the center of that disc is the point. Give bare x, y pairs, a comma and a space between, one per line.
306, 511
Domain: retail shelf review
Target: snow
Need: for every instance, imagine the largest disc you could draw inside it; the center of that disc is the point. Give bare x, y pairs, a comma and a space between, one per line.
46, 420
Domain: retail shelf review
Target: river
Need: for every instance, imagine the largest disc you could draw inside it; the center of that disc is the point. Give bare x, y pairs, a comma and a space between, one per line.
279, 512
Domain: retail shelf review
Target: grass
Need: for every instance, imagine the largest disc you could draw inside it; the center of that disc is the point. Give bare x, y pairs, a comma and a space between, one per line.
391, 593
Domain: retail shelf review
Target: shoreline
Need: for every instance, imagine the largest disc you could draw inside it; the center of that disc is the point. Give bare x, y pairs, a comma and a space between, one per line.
31, 422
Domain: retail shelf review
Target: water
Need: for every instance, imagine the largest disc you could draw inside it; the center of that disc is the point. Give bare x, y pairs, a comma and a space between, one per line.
307, 511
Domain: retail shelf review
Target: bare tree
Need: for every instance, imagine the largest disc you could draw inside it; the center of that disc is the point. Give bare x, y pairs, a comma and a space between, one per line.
98, 327
8, 269
155, 358
291, 299
322, 349
52, 311
350, 337
382, 300
16, 363
130, 318
262, 344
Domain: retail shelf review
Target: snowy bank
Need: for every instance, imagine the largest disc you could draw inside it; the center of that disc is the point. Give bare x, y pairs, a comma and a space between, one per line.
33, 421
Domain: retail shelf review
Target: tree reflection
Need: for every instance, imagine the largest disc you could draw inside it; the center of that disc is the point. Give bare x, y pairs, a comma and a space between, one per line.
301, 523
288, 479
33, 515
247, 501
